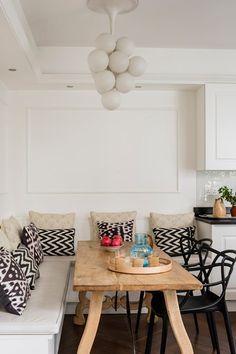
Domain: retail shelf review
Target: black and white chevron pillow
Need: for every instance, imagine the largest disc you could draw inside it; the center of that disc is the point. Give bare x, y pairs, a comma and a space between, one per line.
124, 229
31, 240
58, 242
27, 263
169, 239
14, 288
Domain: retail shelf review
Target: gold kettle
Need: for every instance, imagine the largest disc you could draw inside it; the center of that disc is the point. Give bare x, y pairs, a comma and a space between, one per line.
219, 210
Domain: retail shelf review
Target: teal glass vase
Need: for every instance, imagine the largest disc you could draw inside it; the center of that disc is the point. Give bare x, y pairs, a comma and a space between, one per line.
141, 248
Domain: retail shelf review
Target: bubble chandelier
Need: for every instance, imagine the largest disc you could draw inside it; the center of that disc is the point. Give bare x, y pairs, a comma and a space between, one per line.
112, 63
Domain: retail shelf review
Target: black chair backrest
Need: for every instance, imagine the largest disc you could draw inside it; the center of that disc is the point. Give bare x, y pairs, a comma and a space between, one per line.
216, 275
191, 247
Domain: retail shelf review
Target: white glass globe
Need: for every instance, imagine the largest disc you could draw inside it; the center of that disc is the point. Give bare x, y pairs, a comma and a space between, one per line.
106, 42
124, 82
111, 100
118, 62
98, 60
104, 81
125, 45
137, 66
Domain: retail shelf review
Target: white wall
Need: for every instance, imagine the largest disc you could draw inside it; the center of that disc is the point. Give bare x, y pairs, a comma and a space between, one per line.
66, 153
3, 150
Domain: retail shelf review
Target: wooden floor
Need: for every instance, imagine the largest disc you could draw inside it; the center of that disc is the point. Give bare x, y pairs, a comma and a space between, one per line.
113, 336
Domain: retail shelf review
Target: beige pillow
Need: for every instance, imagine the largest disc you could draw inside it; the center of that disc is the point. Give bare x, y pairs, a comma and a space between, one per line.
52, 220
4, 242
111, 217
13, 231
170, 220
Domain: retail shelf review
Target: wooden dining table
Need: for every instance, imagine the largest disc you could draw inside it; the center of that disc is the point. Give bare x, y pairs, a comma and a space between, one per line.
92, 275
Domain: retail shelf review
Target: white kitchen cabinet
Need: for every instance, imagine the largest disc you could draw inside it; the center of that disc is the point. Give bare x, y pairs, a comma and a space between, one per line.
216, 127
224, 237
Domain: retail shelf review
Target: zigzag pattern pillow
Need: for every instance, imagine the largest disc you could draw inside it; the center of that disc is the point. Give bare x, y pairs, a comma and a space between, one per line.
169, 239
27, 263
124, 229
14, 288
30, 239
58, 242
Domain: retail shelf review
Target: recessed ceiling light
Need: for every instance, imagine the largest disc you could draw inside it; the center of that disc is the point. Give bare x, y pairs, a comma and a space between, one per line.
12, 69
69, 86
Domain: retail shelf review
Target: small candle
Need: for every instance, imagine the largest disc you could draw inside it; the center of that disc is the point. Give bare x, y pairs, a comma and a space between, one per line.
119, 261
153, 261
137, 262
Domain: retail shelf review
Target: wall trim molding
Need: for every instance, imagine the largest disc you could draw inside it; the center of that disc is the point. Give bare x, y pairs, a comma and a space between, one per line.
29, 189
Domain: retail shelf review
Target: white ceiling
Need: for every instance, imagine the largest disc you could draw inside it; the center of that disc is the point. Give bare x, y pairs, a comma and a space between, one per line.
154, 23
47, 41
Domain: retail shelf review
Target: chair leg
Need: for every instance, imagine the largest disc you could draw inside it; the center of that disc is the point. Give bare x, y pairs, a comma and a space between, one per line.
195, 317
140, 304
148, 347
214, 332
116, 301
196, 322
210, 326
165, 323
228, 329
129, 321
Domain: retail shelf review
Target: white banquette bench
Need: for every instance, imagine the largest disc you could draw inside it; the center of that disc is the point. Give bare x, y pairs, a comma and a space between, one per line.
38, 329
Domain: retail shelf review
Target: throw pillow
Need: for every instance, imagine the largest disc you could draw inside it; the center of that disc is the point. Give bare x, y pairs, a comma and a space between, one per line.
57, 242
13, 230
4, 241
31, 240
171, 220
124, 229
110, 217
27, 263
14, 288
169, 239
52, 220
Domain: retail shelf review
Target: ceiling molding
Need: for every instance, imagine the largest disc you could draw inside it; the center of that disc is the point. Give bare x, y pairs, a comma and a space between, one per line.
148, 78
165, 65
15, 17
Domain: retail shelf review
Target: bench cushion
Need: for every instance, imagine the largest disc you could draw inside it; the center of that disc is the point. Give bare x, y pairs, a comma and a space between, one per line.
45, 308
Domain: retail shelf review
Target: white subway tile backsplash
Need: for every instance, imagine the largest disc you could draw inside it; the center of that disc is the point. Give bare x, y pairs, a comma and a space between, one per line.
208, 183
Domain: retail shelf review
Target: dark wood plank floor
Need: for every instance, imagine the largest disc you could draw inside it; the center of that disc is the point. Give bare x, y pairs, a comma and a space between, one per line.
113, 336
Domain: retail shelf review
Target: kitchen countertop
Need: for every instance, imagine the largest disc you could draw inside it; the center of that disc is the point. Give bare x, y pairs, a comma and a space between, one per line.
209, 219
204, 214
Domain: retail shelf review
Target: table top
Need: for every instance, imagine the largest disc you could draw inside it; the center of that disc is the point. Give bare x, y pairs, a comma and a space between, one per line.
92, 273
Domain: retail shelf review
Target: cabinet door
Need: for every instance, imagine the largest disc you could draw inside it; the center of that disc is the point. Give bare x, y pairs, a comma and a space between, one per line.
220, 127
224, 237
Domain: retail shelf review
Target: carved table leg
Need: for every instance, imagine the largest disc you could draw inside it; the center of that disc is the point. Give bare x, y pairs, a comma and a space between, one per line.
95, 309
82, 304
176, 322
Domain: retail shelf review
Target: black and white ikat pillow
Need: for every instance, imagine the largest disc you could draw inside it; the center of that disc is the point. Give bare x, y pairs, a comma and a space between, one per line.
27, 263
124, 229
169, 239
58, 242
31, 240
14, 288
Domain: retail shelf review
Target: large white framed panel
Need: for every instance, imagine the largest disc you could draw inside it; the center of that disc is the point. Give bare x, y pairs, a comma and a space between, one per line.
224, 237
225, 126
220, 105
84, 151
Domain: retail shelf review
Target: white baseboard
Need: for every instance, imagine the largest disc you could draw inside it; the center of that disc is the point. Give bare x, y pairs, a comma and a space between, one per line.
70, 308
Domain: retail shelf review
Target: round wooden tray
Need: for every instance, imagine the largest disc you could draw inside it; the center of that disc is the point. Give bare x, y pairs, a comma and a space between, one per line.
165, 266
